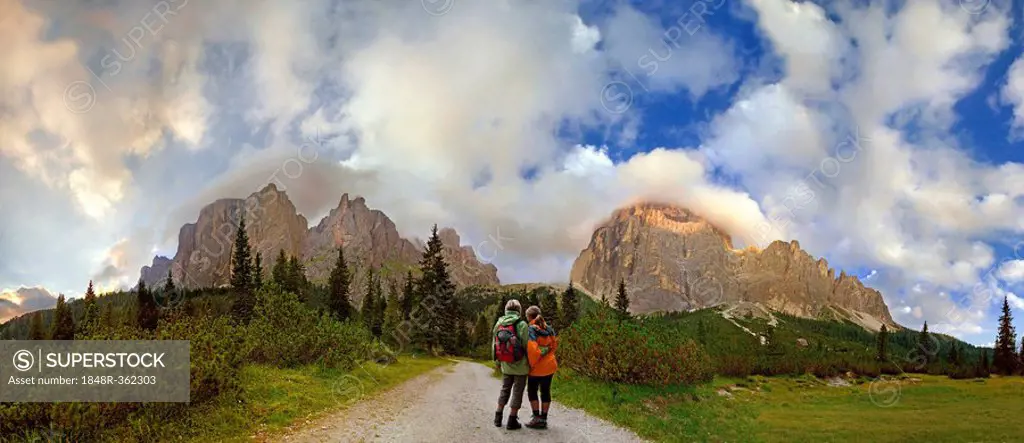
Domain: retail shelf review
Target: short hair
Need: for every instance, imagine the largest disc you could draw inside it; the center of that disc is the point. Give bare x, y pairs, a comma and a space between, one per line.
532, 312
513, 305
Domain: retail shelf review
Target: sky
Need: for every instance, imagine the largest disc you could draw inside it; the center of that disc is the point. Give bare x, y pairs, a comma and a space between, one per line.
885, 137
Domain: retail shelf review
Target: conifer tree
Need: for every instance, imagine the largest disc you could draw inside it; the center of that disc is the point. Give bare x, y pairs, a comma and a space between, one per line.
146, 315
168, 284
35, 327
279, 274
408, 296
882, 351
63, 327
549, 309
1005, 359
925, 345
368, 311
482, 330
338, 300
382, 305
436, 298
241, 260
393, 312
242, 275
257, 272
983, 364
296, 277
107, 316
570, 307
622, 300
92, 315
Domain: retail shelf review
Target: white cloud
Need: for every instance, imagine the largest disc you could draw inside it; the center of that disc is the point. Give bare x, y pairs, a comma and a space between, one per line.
1011, 271
680, 56
1013, 94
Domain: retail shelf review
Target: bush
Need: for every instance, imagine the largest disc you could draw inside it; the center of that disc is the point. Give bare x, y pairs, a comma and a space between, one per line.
286, 333
633, 352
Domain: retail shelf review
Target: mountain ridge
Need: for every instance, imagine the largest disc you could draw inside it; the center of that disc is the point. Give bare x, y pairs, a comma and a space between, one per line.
203, 255
674, 260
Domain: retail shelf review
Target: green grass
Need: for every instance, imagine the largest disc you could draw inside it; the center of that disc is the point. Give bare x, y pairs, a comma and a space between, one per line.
805, 409
274, 399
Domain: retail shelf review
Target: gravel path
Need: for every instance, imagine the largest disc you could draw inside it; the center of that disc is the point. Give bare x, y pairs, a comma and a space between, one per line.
451, 404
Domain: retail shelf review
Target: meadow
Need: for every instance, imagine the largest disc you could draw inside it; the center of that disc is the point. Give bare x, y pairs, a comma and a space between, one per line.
912, 408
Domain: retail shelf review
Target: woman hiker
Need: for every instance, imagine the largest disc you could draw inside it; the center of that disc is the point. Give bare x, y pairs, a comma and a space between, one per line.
509, 351
541, 352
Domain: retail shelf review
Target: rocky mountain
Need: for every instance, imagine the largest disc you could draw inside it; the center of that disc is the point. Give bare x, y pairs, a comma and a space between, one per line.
673, 260
272, 222
155, 275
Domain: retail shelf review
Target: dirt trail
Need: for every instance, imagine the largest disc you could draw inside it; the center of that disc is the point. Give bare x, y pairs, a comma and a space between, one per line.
451, 404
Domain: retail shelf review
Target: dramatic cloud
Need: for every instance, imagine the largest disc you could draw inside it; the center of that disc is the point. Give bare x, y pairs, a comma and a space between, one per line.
119, 121
14, 303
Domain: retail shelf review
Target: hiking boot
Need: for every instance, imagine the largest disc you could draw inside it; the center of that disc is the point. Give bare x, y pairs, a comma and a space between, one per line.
536, 422
513, 423
497, 418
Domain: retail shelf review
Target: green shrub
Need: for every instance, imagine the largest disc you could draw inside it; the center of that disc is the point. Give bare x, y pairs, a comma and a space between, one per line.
633, 352
286, 333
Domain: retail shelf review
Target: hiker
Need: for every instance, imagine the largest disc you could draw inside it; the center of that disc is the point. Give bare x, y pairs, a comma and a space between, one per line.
540, 350
511, 333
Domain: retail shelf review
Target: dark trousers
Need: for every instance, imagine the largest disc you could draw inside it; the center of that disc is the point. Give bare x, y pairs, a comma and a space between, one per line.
512, 386
543, 384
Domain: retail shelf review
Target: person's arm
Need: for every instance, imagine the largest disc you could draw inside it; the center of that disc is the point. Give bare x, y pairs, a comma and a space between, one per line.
494, 330
533, 352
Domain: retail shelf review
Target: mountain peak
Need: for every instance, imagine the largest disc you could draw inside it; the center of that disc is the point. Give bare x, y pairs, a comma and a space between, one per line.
672, 259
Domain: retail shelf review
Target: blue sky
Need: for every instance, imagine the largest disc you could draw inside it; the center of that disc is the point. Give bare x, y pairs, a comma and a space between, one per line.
884, 137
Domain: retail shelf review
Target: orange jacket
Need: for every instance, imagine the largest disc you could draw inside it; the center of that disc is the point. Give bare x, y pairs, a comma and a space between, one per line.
541, 351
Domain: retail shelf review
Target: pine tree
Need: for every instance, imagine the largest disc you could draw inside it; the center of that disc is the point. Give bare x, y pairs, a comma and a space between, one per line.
368, 312
393, 312
257, 272
983, 364
92, 315
437, 298
242, 276
925, 345
296, 277
146, 315
107, 316
1005, 359
279, 274
241, 271
408, 296
570, 309
35, 327
382, 306
63, 327
482, 330
622, 300
882, 353
168, 284
338, 301
549, 309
